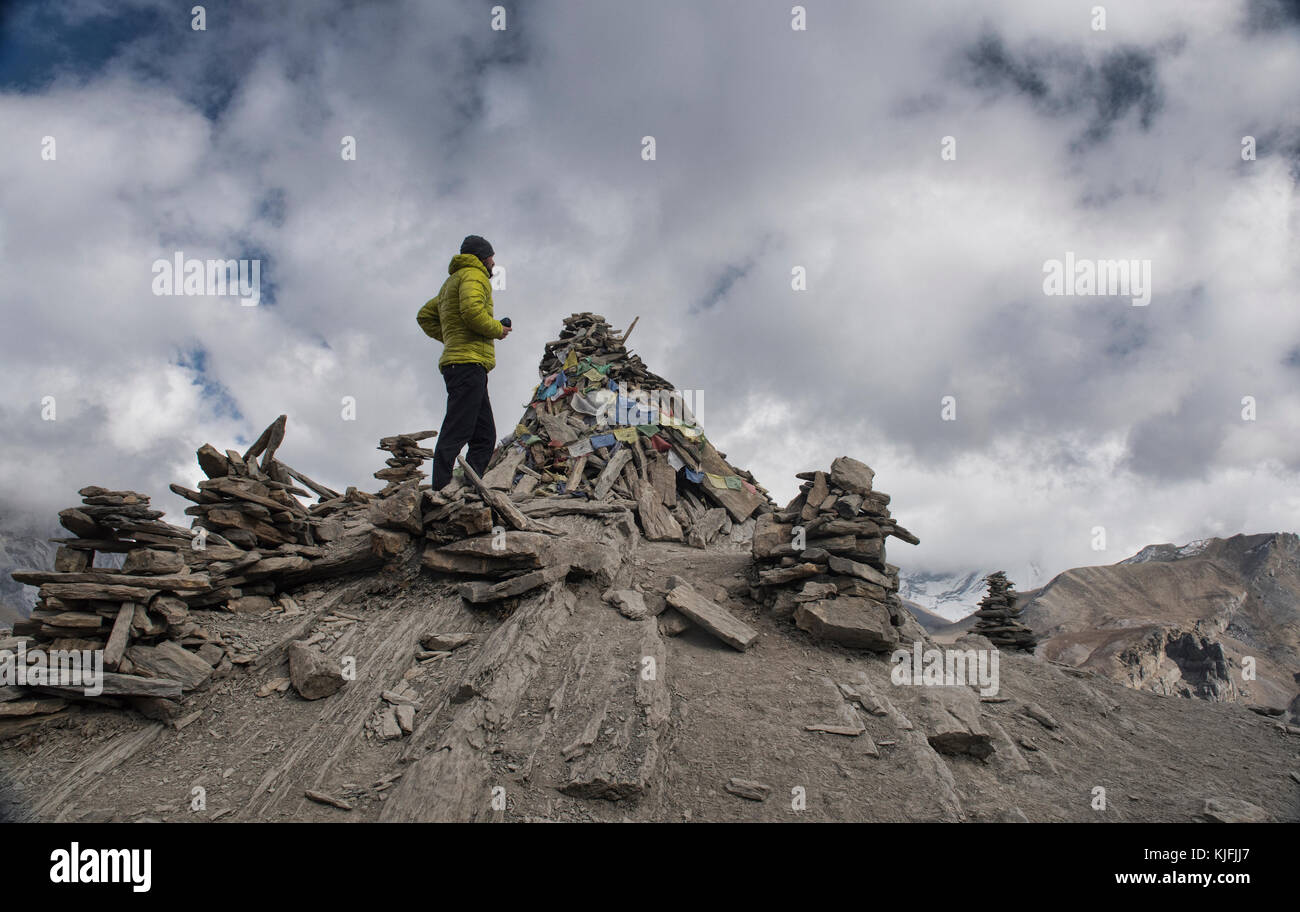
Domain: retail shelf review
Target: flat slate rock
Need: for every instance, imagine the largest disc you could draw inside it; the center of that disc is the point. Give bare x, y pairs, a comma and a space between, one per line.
171, 661
108, 578
441, 561
445, 642
124, 685
34, 706
861, 571
712, 618
1232, 810
506, 546
96, 592
749, 789
479, 593
150, 560
849, 621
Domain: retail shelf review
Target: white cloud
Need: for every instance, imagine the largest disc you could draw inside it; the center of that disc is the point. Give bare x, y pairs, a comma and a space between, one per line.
775, 149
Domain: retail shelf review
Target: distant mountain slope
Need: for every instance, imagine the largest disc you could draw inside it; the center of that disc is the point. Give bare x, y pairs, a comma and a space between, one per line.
21, 547
953, 595
1183, 620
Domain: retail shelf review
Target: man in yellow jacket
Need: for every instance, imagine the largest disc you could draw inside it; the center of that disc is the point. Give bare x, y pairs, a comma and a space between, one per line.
460, 317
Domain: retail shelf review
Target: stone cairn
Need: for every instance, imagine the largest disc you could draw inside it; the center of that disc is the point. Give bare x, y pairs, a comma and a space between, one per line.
406, 460
602, 427
466, 506
249, 504
251, 541
835, 580
397, 511
138, 614
998, 616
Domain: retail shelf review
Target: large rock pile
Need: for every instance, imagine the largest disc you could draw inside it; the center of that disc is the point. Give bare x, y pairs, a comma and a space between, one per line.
138, 614
591, 443
822, 559
998, 616
252, 540
602, 427
252, 505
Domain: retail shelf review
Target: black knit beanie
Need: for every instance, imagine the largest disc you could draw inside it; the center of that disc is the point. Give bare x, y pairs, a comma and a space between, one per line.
477, 246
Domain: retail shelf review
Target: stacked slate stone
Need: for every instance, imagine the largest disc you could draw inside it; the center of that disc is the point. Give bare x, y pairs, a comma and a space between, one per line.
246, 547
138, 614
822, 559
499, 567
278, 543
602, 427
406, 459
397, 511
252, 504
999, 617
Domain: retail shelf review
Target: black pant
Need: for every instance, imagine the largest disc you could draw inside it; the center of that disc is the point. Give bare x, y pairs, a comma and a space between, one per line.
468, 420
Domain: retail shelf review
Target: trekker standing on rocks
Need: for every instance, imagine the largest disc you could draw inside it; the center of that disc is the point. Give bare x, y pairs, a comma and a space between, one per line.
460, 317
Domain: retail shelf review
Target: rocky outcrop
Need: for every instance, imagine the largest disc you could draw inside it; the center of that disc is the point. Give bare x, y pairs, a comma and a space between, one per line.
951, 719
1179, 663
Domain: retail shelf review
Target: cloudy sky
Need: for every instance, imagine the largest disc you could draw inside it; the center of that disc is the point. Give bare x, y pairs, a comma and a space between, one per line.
775, 148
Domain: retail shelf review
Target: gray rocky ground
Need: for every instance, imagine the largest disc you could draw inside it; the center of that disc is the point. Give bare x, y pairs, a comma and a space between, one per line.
547, 713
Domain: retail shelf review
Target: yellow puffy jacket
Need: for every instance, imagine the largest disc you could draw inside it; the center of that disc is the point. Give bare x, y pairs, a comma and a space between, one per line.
460, 317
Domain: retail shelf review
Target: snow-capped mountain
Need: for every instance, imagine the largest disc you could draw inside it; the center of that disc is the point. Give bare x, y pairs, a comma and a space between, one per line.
1168, 552
954, 595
